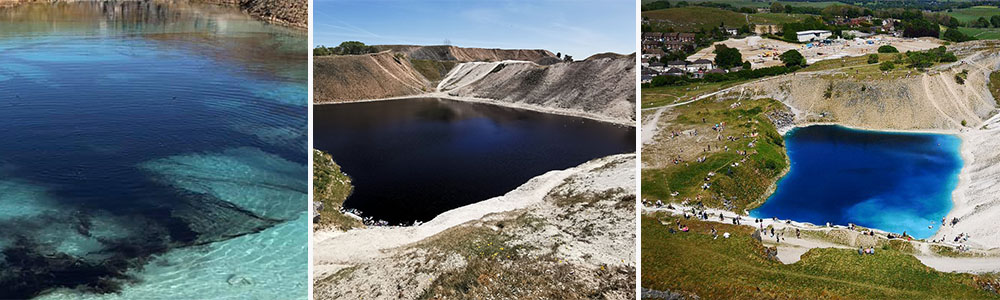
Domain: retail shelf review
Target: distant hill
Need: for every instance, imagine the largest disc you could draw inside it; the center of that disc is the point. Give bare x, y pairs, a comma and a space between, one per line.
693, 18
463, 54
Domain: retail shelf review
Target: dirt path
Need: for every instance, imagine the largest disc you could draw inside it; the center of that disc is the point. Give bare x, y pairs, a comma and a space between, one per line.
927, 91
333, 250
649, 129
790, 249
964, 109
961, 264
387, 72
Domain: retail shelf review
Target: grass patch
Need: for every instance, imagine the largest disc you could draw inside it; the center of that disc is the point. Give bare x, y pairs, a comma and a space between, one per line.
497, 269
994, 85
733, 187
692, 18
981, 33
331, 187
739, 268
966, 15
858, 67
777, 18
665, 95
762, 4
433, 70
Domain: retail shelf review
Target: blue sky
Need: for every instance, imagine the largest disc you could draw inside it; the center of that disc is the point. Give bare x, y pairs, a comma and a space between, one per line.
577, 28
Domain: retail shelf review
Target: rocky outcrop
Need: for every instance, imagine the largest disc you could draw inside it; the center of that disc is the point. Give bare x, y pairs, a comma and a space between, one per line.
569, 232
291, 13
369, 76
916, 100
602, 85
452, 53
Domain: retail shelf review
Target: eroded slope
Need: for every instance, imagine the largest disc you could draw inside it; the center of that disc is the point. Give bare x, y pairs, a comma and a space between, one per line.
604, 85
369, 76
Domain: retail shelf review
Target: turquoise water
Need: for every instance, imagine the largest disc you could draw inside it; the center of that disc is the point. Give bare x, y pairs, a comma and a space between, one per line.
897, 182
152, 150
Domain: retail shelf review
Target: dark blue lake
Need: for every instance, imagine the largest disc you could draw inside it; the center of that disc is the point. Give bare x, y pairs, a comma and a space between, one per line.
413, 159
151, 149
886, 180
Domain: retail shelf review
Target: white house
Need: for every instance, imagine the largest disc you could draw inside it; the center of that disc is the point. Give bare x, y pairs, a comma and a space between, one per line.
699, 65
813, 35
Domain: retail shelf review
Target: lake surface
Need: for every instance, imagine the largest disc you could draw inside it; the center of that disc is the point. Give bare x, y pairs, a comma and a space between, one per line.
886, 180
151, 149
413, 159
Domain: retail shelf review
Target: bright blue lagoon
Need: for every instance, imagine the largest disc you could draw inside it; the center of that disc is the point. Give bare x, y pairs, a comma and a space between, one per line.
886, 180
151, 150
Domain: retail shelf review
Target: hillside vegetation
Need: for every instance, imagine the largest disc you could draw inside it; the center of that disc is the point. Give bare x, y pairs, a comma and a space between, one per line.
740, 267
693, 18
737, 180
331, 187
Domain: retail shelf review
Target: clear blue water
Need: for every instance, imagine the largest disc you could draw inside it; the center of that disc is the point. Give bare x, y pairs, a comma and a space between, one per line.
886, 180
413, 159
149, 146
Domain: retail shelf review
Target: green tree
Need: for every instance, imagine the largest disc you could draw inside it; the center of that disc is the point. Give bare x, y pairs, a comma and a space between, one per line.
322, 51
887, 49
919, 27
655, 5
352, 48
792, 58
995, 21
954, 35
777, 7
886, 66
981, 23
726, 57
873, 59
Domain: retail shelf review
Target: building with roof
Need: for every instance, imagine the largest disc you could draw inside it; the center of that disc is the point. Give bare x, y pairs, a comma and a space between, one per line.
813, 35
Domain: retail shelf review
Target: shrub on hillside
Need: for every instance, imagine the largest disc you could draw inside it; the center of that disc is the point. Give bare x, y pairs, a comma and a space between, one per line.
956, 36
873, 59
886, 66
345, 48
726, 57
887, 49
919, 27
792, 58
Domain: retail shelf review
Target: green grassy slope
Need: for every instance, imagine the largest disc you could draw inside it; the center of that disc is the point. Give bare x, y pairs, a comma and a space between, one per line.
745, 185
693, 263
973, 13
331, 186
692, 18
431, 69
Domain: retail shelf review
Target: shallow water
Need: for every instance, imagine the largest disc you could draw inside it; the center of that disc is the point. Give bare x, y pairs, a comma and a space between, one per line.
886, 180
141, 136
413, 159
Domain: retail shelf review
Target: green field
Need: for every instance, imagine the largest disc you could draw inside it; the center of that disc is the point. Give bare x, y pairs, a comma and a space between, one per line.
755, 4
693, 263
693, 18
981, 33
665, 95
973, 13
774, 18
